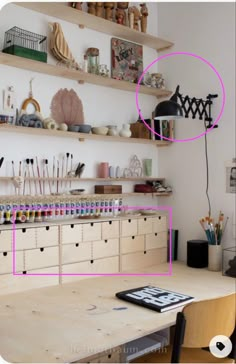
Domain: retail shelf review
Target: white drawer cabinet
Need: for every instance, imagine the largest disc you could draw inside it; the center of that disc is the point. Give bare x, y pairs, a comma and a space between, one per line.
145, 225
159, 224
92, 231
77, 252
110, 229
129, 227
41, 257
47, 236
156, 240
6, 262
132, 244
138, 261
25, 238
105, 248
71, 233
6, 240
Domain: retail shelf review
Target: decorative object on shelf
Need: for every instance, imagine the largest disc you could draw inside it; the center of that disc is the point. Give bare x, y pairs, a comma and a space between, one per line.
74, 128
91, 8
147, 79
6, 119
100, 130
50, 123
121, 17
139, 130
147, 167
77, 191
103, 70
85, 65
79, 170
85, 128
66, 107
125, 131
99, 9
112, 130
230, 174
103, 170
135, 167
171, 109
108, 189
135, 17
165, 128
144, 15
76, 5
159, 186
127, 60
229, 262
60, 48
93, 60
30, 120
157, 80
142, 188
109, 6
111, 172
63, 127
23, 43
118, 172
9, 99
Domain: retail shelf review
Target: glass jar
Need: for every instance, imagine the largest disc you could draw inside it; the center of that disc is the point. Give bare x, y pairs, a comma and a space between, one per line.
93, 60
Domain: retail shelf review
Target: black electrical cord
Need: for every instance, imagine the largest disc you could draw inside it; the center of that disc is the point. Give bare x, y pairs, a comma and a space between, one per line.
207, 170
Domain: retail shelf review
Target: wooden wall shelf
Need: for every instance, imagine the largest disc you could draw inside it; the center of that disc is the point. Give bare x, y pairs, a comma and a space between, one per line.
89, 179
84, 19
71, 74
79, 136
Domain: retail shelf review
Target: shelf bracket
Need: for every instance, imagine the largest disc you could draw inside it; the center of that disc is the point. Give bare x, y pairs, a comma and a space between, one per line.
81, 26
81, 82
81, 139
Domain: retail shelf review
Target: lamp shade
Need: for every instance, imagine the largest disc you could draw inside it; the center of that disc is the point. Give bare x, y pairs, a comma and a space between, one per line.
168, 110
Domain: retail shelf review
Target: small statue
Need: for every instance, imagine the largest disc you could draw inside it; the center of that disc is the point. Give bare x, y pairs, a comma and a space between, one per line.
91, 8
123, 6
232, 270
109, 11
137, 17
131, 17
120, 16
99, 9
144, 15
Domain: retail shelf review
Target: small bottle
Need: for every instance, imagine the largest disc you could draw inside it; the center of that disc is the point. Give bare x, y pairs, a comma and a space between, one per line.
85, 67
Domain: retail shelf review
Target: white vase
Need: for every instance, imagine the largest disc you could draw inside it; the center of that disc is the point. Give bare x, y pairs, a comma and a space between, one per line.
214, 257
125, 131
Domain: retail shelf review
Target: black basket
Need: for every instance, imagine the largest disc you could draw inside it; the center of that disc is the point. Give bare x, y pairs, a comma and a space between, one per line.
26, 44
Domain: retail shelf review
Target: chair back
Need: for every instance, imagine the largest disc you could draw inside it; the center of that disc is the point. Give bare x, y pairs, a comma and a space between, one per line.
208, 318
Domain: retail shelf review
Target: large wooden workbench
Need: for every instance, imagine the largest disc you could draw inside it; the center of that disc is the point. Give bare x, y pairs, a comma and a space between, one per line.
73, 321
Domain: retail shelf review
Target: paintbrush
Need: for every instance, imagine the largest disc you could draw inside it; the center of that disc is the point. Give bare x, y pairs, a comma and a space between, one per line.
71, 165
33, 174
58, 168
67, 162
38, 171
49, 184
53, 170
62, 169
28, 170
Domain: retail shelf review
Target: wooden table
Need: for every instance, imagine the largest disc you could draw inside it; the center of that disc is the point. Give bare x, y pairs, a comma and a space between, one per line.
70, 322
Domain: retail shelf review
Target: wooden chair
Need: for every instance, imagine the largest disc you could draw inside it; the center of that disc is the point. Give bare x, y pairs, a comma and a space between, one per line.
196, 325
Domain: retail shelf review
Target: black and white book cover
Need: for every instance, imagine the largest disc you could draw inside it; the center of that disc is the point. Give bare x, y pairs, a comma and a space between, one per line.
157, 299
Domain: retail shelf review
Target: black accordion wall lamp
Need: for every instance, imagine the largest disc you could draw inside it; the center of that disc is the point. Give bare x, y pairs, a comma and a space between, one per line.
180, 106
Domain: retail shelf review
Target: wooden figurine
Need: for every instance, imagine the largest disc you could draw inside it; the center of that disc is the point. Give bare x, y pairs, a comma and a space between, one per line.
99, 9
91, 8
144, 15
131, 17
123, 6
109, 10
120, 16
137, 17
76, 5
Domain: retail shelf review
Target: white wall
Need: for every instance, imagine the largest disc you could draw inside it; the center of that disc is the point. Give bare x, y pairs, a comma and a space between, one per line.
102, 106
207, 29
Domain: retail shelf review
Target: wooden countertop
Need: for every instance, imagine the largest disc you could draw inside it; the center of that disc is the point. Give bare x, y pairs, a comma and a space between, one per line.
70, 322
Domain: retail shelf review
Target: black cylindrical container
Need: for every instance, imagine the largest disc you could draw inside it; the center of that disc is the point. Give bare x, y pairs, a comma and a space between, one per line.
197, 253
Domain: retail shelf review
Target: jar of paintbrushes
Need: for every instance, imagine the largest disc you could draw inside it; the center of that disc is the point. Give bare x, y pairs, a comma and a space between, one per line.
214, 233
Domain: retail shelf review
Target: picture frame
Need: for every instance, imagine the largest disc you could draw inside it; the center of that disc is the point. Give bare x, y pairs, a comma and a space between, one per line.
230, 172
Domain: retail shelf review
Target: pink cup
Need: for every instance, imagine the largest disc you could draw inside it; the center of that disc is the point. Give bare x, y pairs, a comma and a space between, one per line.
103, 170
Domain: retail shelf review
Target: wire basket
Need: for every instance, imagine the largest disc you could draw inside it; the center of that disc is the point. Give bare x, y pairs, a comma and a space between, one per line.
26, 44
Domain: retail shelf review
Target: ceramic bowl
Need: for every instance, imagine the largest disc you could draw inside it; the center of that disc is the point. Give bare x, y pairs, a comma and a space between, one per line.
74, 128
84, 128
100, 130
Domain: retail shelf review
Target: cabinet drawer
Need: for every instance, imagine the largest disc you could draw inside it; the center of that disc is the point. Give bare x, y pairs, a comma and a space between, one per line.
25, 238
92, 231
105, 248
137, 261
6, 262
42, 257
71, 233
6, 241
47, 236
145, 225
159, 224
74, 270
106, 265
11, 284
110, 229
129, 227
156, 240
76, 252
132, 244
